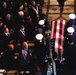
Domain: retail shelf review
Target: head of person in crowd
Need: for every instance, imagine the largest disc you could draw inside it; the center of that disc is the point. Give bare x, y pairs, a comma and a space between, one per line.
26, 8
33, 3
22, 28
40, 31
8, 16
28, 18
1, 22
21, 13
25, 4
6, 30
4, 4
11, 46
25, 45
12, 31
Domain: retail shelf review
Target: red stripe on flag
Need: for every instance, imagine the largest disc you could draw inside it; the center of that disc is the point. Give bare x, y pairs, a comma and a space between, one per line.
55, 25
59, 41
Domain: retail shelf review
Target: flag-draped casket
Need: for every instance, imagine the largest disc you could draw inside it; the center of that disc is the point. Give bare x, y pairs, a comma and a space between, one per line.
57, 36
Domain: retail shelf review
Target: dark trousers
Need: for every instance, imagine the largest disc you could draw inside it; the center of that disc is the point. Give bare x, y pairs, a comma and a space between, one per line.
43, 72
71, 71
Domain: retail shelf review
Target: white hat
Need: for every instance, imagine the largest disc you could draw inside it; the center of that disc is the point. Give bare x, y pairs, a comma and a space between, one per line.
72, 16
39, 36
70, 30
41, 22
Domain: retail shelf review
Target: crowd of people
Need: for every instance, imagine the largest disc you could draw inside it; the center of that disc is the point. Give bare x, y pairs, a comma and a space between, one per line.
19, 24
19, 21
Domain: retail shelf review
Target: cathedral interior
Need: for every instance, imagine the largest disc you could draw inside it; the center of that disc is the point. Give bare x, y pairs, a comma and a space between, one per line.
51, 9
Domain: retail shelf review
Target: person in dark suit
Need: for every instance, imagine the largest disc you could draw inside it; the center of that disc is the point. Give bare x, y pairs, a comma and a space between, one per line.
9, 21
40, 50
8, 57
70, 54
22, 34
4, 10
5, 37
29, 27
61, 4
24, 57
21, 19
34, 12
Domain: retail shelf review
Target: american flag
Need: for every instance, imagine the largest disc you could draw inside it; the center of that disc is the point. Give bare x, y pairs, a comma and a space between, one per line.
57, 36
